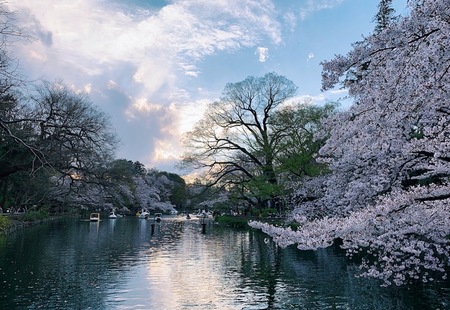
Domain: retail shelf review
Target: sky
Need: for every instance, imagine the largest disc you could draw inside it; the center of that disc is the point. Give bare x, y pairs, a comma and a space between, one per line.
154, 65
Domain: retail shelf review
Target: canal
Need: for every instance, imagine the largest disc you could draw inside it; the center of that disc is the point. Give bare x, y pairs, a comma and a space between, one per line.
120, 264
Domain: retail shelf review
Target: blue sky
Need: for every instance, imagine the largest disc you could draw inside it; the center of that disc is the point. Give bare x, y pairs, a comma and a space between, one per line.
153, 65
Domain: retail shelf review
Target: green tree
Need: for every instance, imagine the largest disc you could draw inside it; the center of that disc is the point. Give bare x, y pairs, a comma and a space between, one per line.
385, 15
121, 170
139, 168
299, 144
178, 191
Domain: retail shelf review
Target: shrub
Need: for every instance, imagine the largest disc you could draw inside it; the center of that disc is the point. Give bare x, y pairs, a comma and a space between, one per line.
232, 221
34, 216
5, 223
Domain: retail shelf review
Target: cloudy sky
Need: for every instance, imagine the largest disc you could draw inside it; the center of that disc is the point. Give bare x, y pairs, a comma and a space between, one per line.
152, 65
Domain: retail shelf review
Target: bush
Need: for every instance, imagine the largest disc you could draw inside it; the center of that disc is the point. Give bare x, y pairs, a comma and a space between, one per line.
266, 212
34, 216
5, 223
232, 221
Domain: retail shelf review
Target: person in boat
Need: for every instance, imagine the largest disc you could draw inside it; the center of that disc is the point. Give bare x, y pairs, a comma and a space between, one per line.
188, 216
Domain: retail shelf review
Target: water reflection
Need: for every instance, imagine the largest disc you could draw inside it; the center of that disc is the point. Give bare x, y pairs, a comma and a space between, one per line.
124, 264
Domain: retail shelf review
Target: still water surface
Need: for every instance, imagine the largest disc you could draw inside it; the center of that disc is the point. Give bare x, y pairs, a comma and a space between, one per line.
120, 264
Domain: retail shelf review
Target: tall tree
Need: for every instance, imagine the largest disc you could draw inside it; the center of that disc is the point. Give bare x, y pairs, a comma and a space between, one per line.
254, 139
235, 141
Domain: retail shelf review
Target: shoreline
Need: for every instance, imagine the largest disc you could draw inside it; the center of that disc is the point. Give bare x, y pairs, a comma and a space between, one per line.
17, 224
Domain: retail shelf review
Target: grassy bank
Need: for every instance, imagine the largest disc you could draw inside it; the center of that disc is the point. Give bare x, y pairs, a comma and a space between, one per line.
232, 221
11, 222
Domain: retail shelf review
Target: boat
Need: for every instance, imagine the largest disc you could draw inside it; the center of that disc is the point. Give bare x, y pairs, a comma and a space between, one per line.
94, 217
203, 214
112, 215
158, 217
143, 214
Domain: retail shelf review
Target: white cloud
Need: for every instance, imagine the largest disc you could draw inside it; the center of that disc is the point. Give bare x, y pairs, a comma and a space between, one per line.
291, 20
312, 6
137, 57
88, 88
140, 107
188, 114
192, 73
263, 54
93, 37
165, 151
140, 53
111, 84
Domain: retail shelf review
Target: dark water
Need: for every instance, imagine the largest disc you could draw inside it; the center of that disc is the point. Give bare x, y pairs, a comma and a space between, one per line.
119, 264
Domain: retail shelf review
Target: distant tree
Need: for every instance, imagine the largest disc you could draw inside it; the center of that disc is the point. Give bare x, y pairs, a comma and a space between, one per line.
385, 15
14, 152
120, 170
199, 193
139, 168
178, 190
57, 147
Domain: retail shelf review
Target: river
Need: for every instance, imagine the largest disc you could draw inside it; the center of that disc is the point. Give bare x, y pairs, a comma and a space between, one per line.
124, 264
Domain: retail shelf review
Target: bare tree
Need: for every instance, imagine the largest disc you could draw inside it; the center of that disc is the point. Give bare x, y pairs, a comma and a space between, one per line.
58, 133
73, 135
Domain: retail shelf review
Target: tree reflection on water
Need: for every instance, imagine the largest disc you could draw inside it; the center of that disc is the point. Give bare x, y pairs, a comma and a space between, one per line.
119, 264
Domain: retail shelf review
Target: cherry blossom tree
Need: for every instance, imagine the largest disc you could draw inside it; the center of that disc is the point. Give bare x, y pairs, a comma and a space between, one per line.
388, 193
126, 187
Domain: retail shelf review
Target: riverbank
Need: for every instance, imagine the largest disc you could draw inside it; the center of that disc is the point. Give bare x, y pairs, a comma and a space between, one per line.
10, 223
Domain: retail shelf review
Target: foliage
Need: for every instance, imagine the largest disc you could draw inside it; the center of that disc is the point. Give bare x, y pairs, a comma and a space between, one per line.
387, 194
5, 223
200, 196
151, 190
57, 148
299, 145
178, 190
24, 190
232, 221
33, 216
48, 132
74, 135
233, 141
